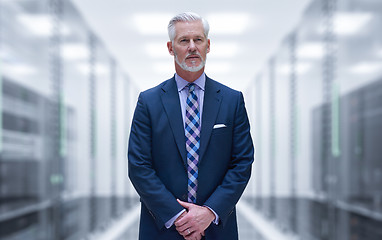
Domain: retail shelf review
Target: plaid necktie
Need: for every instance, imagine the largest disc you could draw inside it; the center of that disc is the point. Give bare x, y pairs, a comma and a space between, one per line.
192, 131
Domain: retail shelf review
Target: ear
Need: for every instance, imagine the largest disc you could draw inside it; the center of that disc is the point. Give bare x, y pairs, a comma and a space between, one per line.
208, 45
170, 49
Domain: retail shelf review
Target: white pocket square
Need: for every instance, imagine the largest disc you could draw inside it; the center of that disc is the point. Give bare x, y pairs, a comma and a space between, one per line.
219, 126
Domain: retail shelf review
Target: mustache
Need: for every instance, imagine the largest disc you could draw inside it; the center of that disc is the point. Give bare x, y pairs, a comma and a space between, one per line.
194, 53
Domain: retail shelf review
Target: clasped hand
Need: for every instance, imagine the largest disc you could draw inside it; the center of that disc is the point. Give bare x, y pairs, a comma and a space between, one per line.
192, 223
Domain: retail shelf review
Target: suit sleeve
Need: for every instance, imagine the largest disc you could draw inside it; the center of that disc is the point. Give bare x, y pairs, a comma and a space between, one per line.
228, 193
161, 203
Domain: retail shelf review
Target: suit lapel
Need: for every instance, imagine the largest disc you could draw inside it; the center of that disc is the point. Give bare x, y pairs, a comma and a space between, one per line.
171, 104
211, 105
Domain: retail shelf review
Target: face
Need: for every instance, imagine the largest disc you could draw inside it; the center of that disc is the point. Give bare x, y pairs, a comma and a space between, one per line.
190, 46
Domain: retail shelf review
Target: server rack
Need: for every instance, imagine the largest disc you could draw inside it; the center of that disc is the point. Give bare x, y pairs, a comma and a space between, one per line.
359, 178
28, 183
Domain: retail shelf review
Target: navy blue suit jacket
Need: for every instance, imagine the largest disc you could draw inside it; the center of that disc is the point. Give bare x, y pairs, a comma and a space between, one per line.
158, 166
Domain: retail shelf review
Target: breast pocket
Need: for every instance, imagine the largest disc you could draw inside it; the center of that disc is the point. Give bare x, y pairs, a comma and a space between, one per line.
221, 130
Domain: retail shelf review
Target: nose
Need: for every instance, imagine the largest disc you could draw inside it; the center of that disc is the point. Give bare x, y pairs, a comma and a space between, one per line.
192, 46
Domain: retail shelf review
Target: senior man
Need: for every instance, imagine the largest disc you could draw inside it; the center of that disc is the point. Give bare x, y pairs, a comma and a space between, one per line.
190, 148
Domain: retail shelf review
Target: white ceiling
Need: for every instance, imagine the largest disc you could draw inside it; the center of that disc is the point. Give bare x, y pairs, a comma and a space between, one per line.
144, 56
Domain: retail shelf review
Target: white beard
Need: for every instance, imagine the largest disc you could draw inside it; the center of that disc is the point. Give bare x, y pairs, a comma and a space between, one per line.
184, 66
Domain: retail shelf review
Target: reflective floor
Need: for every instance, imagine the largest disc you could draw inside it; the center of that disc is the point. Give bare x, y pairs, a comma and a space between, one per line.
320, 219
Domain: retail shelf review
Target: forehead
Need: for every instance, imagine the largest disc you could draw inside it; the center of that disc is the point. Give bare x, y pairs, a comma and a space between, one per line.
194, 28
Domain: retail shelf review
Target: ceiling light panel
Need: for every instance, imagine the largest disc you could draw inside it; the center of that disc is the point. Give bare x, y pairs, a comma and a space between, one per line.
40, 24
367, 67
75, 51
100, 69
152, 23
37, 24
228, 23
314, 50
18, 69
350, 23
301, 68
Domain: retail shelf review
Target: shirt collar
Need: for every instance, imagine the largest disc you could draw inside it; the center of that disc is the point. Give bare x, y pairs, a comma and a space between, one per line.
181, 83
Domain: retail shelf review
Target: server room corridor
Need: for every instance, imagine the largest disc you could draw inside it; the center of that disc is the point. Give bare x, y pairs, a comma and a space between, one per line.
310, 72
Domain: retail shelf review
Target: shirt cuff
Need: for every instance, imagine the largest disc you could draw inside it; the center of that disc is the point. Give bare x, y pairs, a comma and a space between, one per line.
170, 222
216, 221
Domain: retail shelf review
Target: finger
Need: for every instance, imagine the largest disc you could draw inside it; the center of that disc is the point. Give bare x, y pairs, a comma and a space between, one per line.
182, 229
194, 235
180, 217
181, 222
184, 204
186, 233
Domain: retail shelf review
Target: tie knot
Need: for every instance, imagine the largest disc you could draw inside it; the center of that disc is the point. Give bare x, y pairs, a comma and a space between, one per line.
191, 87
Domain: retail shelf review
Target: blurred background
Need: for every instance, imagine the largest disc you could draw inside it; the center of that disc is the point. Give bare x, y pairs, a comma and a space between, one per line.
311, 73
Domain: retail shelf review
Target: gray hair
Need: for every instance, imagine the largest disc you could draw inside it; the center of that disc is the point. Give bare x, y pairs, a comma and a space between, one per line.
186, 17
